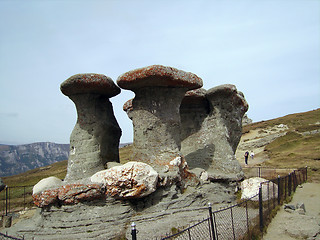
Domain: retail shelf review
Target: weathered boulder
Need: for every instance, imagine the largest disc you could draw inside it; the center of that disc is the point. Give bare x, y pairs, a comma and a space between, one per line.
131, 180
94, 140
250, 189
155, 112
46, 184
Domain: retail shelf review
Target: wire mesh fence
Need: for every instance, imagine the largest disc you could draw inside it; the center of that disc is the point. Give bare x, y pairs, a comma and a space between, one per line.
239, 221
248, 218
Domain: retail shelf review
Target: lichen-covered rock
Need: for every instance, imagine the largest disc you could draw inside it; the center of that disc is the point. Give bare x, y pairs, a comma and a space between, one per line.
250, 189
46, 184
68, 194
95, 138
75, 193
131, 180
45, 198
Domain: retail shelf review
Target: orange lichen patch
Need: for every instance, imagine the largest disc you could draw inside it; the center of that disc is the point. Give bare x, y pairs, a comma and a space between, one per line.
45, 198
158, 75
90, 83
69, 194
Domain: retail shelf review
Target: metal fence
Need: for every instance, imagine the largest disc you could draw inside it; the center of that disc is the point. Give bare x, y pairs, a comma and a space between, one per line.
241, 221
14, 199
247, 219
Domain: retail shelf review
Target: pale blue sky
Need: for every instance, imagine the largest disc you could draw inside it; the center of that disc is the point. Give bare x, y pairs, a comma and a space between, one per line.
269, 49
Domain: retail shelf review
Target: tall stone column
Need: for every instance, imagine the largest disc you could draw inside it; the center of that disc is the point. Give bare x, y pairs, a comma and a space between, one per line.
155, 112
213, 146
95, 138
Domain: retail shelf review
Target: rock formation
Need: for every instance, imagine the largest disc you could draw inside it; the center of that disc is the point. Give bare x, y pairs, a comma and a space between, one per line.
95, 138
174, 120
155, 113
213, 146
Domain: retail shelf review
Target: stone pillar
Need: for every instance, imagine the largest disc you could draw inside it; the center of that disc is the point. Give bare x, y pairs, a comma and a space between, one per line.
95, 138
213, 146
155, 112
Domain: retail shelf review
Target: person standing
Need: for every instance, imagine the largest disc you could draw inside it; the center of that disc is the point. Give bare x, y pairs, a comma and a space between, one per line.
246, 155
252, 154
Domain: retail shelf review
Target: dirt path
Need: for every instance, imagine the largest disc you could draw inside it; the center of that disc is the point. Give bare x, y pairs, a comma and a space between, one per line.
292, 225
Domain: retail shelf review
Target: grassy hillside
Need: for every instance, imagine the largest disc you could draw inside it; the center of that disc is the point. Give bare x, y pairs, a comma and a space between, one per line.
296, 149
300, 147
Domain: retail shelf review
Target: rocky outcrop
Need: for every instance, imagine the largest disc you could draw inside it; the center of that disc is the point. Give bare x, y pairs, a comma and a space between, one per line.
94, 140
21, 158
155, 113
110, 218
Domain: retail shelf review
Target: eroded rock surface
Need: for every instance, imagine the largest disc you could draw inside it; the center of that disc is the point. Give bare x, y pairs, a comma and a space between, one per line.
213, 146
155, 113
94, 140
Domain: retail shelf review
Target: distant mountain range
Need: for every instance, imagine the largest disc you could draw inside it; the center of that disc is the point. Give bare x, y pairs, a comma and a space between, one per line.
15, 159
20, 158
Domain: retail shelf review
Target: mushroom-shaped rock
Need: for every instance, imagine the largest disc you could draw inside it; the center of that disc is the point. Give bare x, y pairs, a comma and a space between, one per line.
213, 146
221, 132
131, 180
95, 138
159, 91
231, 105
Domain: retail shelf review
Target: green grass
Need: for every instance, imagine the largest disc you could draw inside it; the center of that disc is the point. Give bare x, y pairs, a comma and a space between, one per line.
294, 150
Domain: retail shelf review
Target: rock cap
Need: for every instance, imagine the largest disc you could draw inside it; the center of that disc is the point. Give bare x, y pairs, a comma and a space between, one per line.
159, 76
229, 91
89, 83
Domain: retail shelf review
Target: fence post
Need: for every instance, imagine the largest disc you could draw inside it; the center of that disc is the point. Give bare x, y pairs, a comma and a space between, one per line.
306, 173
133, 231
260, 209
294, 180
289, 184
6, 200
259, 171
24, 197
279, 189
211, 222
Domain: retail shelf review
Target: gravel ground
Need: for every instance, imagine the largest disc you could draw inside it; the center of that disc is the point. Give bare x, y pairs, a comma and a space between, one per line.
292, 225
